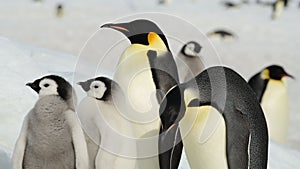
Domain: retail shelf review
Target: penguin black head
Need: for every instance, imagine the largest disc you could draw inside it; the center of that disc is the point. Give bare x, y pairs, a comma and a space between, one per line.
274, 72
52, 85
99, 88
191, 49
137, 31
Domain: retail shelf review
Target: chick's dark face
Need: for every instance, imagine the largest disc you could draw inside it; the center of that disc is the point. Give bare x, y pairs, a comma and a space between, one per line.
137, 31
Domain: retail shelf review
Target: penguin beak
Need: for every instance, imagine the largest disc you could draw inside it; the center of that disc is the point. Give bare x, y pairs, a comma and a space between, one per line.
30, 85
288, 75
118, 27
33, 86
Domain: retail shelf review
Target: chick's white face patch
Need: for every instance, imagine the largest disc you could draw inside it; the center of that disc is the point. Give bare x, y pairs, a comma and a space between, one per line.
48, 87
190, 49
97, 89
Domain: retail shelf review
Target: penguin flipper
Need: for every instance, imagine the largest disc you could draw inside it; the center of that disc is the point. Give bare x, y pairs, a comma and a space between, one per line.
20, 146
170, 143
170, 148
78, 138
237, 139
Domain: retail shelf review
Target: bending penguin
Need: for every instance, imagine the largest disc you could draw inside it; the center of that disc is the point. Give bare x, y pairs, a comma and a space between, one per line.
100, 112
134, 76
224, 90
222, 34
271, 91
188, 61
51, 135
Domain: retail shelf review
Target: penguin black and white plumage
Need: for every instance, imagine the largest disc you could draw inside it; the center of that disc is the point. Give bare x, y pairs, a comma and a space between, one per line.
230, 5
102, 119
277, 8
135, 78
222, 34
51, 135
224, 90
271, 90
189, 62
59, 10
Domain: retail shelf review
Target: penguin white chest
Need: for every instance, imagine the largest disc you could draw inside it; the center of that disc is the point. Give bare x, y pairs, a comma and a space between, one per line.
203, 133
134, 76
275, 105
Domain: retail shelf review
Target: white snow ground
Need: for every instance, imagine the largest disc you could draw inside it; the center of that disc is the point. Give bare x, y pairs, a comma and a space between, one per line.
27, 28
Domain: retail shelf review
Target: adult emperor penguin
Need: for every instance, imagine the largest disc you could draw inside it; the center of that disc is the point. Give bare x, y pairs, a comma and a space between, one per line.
245, 144
222, 34
51, 135
271, 90
101, 113
189, 63
277, 8
134, 76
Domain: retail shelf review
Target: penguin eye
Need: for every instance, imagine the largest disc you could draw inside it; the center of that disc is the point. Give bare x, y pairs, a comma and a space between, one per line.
96, 86
46, 85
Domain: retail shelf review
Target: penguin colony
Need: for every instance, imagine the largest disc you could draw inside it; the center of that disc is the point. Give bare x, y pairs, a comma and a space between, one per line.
211, 112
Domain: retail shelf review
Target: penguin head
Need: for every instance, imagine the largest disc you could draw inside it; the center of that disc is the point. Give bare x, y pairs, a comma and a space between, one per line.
274, 72
191, 49
99, 88
52, 85
137, 31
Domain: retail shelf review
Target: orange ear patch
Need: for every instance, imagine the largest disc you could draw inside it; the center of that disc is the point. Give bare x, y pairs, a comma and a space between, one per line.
152, 37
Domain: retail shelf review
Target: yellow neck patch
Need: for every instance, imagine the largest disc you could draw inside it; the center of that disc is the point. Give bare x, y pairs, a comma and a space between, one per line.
265, 74
155, 41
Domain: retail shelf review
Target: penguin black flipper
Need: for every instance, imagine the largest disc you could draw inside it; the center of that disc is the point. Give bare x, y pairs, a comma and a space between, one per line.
170, 143
165, 76
258, 85
164, 71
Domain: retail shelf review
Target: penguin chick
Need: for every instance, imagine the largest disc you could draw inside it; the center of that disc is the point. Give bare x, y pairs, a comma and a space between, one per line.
102, 119
51, 135
188, 61
271, 91
222, 34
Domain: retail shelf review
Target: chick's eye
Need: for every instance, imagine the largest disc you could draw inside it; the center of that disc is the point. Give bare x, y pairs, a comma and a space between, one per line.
46, 85
96, 86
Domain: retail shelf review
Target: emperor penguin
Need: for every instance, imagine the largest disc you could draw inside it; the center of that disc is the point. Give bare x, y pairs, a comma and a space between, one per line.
222, 34
134, 75
101, 112
240, 142
189, 62
51, 135
277, 8
271, 91
59, 10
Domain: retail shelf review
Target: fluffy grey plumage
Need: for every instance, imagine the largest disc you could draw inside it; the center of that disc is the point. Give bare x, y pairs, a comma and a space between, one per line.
51, 135
49, 140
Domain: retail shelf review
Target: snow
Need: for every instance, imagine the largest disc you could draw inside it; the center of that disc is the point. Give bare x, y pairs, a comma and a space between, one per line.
34, 42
